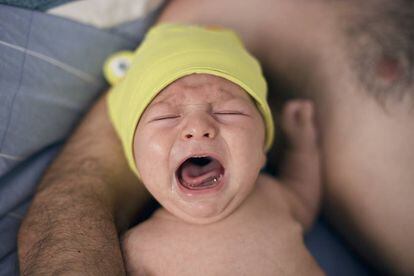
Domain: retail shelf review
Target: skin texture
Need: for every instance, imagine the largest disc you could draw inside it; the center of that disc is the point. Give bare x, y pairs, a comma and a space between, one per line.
72, 225
309, 48
264, 234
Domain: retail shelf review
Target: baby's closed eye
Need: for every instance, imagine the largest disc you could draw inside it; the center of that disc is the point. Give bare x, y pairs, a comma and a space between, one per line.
229, 112
232, 117
164, 117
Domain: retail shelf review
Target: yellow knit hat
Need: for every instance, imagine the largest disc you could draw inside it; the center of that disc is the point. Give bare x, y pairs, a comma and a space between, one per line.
172, 51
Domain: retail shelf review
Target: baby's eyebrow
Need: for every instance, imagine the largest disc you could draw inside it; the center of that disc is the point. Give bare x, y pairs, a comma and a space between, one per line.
155, 107
152, 105
237, 100
227, 94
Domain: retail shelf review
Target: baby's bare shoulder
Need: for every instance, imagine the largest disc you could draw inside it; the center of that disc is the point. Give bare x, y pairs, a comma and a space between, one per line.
151, 244
284, 198
273, 191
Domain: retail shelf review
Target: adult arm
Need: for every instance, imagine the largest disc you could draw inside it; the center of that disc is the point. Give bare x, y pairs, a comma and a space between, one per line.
85, 198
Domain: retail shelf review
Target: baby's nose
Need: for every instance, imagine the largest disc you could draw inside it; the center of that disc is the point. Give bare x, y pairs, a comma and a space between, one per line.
199, 127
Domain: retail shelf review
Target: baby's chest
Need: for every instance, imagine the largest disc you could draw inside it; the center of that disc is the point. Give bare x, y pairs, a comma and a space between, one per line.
247, 248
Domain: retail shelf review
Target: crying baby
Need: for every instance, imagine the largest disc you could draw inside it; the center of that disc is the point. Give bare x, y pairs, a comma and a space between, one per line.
195, 126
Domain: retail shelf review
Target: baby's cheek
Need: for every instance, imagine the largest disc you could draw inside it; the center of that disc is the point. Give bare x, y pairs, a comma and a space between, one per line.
145, 146
151, 160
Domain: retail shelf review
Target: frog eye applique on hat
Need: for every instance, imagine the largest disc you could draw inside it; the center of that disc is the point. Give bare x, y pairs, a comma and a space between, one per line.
116, 66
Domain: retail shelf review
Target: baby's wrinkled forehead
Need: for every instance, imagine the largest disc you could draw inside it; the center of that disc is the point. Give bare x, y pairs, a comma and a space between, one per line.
208, 87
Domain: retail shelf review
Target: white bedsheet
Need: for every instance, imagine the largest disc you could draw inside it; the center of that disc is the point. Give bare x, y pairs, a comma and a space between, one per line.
105, 13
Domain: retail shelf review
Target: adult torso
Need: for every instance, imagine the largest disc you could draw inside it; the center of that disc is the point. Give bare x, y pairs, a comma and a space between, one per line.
367, 149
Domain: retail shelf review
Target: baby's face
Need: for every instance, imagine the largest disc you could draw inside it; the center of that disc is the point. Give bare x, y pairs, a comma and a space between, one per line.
199, 147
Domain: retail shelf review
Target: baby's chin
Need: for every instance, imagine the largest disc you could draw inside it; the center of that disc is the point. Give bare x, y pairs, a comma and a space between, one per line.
201, 212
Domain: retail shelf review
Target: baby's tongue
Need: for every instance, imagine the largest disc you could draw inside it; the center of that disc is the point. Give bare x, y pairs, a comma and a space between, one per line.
200, 176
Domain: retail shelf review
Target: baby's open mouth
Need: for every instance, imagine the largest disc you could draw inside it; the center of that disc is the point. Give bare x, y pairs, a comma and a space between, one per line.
200, 173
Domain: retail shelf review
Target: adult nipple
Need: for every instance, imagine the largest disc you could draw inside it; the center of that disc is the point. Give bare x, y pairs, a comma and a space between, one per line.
389, 70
